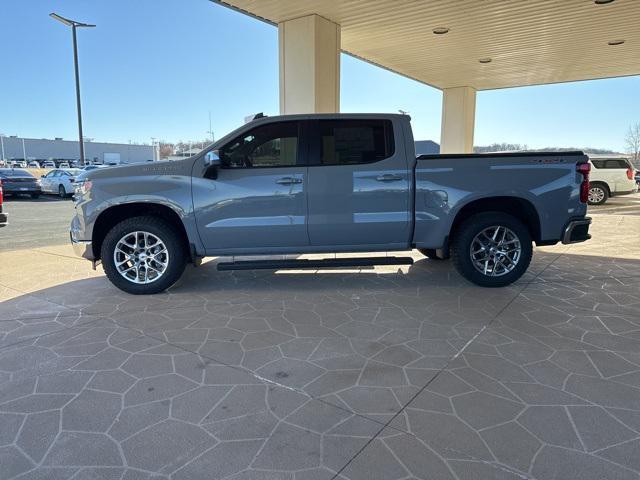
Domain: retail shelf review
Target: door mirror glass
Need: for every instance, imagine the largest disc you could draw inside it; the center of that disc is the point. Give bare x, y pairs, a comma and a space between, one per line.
212, 159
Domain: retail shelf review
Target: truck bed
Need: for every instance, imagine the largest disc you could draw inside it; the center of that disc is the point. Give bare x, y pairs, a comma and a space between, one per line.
545, 182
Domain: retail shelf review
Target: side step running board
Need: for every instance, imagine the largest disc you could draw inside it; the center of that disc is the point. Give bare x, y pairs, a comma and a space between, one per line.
320, 263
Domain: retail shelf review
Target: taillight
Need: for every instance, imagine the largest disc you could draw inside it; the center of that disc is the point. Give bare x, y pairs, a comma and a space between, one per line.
584, 169
1, 192
630, 173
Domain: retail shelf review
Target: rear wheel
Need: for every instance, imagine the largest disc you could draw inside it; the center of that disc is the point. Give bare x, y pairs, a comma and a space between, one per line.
492, 249
598, 194
143, 255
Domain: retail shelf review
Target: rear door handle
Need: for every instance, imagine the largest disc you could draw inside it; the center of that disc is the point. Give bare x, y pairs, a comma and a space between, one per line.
288, 180
388, 177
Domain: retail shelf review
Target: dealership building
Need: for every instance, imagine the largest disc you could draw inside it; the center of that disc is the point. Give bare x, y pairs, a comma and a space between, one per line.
18, 148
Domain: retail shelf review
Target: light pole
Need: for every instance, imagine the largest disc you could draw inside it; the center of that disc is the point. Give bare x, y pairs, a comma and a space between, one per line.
73, 24
2, 145
210, 132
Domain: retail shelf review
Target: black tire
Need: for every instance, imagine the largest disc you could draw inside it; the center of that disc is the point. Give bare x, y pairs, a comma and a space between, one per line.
62, 193
161, 229
430, 253
461, 254
35, 196
598, 194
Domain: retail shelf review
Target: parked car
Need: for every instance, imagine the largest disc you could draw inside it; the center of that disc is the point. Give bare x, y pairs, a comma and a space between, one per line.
64, 165
93, 167
49, 164
3, 216
33, 164
60, 181
18, 164
328, 183
610, 177
16, 181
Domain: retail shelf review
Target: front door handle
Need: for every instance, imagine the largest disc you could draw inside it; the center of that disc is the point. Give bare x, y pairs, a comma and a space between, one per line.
388, 177
288, 180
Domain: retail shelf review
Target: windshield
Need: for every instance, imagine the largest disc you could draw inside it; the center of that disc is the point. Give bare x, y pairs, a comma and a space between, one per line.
74, 171
14, 172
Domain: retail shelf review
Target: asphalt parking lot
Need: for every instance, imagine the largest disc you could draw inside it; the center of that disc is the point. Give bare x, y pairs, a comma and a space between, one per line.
36, 223
389, 373
625, 205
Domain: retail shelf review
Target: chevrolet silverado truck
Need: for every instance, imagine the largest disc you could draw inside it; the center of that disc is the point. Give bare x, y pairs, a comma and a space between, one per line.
324, 183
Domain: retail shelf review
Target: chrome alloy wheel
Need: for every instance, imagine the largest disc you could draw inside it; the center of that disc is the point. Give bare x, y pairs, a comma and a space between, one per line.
495, 251
596, 194
141, 257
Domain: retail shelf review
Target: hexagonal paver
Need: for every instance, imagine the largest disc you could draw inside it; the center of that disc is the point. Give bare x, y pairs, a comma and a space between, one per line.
394, 373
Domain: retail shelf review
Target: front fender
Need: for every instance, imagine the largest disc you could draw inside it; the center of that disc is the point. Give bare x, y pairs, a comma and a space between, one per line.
170, 191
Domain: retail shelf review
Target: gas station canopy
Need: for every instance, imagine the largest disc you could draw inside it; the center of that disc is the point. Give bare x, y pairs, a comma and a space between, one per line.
483, 44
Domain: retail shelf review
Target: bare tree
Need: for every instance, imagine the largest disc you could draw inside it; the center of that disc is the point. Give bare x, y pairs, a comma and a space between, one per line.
632, 139
166, 150
499, 147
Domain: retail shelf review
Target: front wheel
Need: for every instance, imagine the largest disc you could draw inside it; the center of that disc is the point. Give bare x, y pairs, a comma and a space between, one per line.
62, 193
143, 255
492, 249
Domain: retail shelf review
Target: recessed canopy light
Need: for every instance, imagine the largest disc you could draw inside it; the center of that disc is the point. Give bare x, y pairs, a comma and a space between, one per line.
616, 42
440, 30
602, 2
485, 60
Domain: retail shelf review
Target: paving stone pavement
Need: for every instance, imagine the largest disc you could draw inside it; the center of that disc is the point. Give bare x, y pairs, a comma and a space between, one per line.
386, 373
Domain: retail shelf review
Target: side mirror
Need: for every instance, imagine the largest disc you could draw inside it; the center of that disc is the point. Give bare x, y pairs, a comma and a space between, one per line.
212, 159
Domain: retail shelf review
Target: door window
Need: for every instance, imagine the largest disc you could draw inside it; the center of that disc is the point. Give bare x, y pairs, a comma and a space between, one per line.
272, 145
352, 142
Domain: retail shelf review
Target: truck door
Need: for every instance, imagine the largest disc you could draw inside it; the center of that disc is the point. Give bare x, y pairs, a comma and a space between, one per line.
256, 200
358, 184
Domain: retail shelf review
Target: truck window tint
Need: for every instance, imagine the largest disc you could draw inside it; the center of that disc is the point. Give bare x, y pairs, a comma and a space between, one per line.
616, 163
273, 145
611, 163
348, 142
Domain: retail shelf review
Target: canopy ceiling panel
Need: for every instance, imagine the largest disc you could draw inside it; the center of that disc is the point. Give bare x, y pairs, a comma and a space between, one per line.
528, 42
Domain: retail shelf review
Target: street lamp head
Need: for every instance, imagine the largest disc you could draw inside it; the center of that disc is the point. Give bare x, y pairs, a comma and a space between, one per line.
68, 22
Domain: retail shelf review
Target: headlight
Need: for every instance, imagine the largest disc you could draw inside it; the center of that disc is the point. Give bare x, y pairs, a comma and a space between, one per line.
82, 187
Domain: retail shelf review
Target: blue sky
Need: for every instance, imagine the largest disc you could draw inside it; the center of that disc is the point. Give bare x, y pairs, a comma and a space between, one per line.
155, 68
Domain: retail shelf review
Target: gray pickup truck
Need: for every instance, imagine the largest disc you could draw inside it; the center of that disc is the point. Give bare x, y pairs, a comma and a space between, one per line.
328, 183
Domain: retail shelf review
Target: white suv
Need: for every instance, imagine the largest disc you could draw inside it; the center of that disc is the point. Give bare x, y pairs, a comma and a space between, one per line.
610, 177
